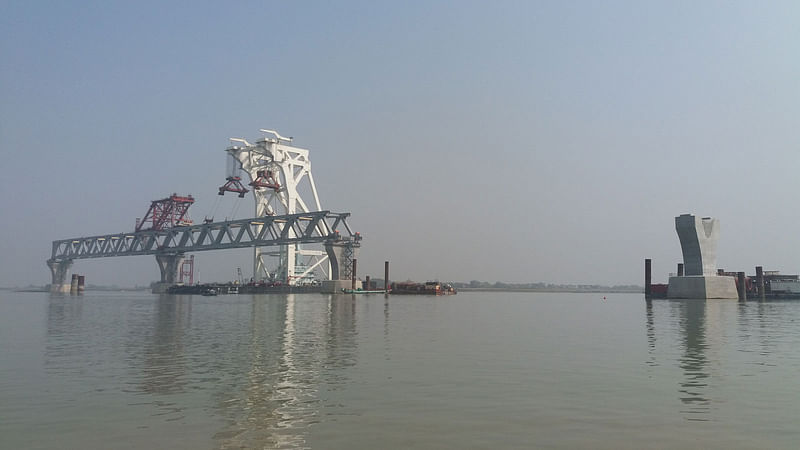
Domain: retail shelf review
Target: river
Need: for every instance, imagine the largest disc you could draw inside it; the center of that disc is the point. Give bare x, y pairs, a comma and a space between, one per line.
475, 370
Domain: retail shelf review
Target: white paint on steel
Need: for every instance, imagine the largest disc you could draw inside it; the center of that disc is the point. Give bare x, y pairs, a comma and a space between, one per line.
291, 167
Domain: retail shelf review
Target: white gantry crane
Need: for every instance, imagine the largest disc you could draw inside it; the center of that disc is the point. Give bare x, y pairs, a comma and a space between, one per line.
278, 173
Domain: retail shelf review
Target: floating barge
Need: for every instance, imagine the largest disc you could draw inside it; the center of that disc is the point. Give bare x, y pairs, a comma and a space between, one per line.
203, 289
363, 291
427, 288
232, 288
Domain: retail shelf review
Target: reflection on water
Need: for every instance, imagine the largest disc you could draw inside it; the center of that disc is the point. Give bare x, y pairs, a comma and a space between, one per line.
257, 361
693, 387
650, 328
687, 318
478, 370
499, 370
712, 341
158, 340
282, 371
269, 397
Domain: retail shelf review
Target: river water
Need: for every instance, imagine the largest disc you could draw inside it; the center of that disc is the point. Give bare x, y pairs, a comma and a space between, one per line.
476, 370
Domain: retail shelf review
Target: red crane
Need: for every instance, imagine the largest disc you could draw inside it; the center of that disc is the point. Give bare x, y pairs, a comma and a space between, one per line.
167, 213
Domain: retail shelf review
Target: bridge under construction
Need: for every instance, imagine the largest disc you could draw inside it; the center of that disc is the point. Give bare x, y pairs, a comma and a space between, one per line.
284, 225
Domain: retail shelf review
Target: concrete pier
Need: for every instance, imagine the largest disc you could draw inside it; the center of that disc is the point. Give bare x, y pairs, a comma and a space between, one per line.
341, 256
58, 273
698, 237
168, 265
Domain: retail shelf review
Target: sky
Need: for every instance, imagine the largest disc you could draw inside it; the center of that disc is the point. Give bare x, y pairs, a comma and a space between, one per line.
496, 141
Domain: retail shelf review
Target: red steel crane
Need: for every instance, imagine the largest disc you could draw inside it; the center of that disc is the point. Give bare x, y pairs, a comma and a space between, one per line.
167, 213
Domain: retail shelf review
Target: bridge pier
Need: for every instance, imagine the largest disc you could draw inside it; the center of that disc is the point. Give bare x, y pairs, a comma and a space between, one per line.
58, 272
168, 264
341, 254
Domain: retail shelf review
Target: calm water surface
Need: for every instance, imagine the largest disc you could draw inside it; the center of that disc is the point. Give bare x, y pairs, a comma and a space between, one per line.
476, 370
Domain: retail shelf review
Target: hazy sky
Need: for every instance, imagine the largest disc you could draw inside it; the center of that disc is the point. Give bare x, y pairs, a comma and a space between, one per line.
498, 141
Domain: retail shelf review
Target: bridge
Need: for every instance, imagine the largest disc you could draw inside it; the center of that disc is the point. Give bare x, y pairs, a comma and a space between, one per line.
171, 244
287, 214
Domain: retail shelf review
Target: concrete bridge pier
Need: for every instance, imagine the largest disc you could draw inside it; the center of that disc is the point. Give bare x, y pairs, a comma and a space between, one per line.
341, 254
700, 279
58, 272
168, 264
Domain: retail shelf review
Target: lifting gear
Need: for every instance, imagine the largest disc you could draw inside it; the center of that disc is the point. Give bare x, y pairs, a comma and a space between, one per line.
233, 184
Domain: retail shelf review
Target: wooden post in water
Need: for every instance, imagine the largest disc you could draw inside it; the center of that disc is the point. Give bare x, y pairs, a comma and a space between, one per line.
680, 269
741, 286
73, 286
647, 278
386, 276
760, 282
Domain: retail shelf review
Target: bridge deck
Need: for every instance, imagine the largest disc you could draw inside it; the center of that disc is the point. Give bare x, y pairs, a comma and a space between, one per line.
309, 227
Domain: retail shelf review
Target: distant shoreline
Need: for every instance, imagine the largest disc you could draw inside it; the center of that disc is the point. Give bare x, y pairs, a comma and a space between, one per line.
556, 290
551, 290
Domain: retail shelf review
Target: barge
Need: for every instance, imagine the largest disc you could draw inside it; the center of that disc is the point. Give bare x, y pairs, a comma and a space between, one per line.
427, 288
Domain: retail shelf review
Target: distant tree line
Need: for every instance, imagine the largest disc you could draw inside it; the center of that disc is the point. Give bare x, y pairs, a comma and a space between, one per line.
475, 284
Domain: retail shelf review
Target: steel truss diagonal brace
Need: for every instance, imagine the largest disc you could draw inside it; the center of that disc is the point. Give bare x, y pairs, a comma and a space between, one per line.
307, 227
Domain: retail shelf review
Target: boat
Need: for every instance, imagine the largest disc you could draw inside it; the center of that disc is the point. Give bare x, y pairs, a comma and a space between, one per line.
427, 288
362, 291
209, 292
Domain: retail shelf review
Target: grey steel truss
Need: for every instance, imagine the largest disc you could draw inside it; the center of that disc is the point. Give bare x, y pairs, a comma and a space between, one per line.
307, 227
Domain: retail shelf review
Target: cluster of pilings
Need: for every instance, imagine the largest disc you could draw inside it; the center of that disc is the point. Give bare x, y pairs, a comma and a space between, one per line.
367, 284
741, 281
77, 284
741, 284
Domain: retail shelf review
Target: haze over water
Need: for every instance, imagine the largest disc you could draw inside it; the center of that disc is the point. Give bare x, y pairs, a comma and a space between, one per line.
476, 370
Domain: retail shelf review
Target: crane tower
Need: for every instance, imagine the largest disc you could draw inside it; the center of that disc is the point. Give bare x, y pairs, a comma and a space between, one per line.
282, 183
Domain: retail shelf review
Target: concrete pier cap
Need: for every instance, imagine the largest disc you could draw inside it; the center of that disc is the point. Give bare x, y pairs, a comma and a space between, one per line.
698, 237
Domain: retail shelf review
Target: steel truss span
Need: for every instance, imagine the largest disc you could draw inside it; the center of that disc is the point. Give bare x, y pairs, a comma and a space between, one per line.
307, 227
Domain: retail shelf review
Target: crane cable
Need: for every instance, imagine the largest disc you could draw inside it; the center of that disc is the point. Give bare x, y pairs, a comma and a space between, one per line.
235, 208
214, 208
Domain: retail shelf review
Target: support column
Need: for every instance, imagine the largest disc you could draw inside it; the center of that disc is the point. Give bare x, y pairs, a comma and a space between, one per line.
58, 273
341, 254
73, 285
741, 286
386, 276
355, 265
760, 282
647, 277
701, 279
168, 264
